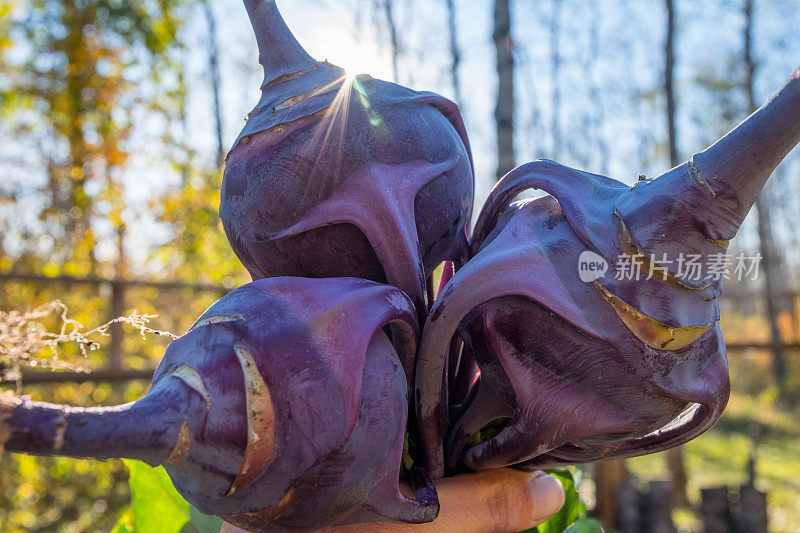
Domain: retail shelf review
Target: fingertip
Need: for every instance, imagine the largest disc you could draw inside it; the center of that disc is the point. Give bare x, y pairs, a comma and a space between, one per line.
548, 495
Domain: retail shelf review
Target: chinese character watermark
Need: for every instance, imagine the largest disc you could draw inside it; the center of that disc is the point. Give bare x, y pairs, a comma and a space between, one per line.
687, 267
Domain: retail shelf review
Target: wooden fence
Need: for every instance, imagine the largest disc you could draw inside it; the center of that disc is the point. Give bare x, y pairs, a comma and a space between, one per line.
115, 367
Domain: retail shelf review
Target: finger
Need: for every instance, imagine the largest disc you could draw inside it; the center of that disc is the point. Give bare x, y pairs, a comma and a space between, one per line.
501, 500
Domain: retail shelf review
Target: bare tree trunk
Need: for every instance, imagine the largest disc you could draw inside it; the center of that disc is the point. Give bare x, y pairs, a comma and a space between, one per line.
674, 457
555, 72
117, 308
669, 91
213, 65
455, 52
766, 241
504, 110
388, 10
595, 95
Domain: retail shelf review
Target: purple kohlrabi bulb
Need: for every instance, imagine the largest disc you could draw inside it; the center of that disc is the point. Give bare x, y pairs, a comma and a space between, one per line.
588, 360
335, 175
283, 407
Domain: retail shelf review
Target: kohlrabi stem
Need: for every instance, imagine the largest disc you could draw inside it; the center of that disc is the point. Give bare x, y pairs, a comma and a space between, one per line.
278, 51
149, 429
737, 166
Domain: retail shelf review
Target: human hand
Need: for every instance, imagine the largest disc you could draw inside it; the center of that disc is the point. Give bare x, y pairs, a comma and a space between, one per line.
499, 500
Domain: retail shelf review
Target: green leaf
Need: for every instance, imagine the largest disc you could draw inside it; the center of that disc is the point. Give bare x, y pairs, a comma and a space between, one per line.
157, 507
122, 527
585, 525
201, 523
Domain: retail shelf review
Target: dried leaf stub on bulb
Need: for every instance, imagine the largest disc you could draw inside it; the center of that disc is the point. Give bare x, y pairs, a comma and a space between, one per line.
338, 175
283, 407
585, 369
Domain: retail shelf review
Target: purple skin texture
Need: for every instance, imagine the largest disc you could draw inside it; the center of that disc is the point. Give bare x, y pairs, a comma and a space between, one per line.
335, 175
585, 371
283, 407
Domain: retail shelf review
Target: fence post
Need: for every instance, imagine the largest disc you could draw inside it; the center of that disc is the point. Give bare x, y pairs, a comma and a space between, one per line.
715, 507
752, 512
656, 508
628, 515
117, 309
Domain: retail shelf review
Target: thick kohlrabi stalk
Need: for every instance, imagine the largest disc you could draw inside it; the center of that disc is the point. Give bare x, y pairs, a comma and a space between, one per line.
583, 367
340, 175
283, 407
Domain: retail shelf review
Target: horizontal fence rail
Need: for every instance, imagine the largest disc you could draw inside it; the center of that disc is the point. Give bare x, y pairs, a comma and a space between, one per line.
102, 375
115, 372
92, 280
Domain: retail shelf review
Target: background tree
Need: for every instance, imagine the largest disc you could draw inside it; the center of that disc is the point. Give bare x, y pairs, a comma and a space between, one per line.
455, 52
675, 461
83, 85
214, 76
555, 74
766, 241
504, 107
72, 99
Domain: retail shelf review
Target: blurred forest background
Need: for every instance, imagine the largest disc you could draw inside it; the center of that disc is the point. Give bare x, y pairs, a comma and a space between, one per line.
115, 119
